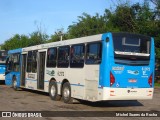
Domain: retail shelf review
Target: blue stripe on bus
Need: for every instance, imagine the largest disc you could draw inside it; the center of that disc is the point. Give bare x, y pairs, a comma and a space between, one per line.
35, 80
57, 82
72, 84
30, 80
77, 85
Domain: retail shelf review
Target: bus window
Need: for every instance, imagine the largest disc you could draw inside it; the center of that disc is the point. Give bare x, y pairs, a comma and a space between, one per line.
77, 56
3, 55
51, 57
63, 57
15, 62
130, 48
29, 61
34, 62
9, 63
94, 53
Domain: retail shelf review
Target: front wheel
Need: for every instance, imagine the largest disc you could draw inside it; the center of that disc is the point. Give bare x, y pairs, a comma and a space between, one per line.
14, 83
66, 93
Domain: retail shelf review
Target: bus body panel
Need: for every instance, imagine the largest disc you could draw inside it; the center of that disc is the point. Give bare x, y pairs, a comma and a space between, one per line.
60, 74
9, 78
79, 81
12, 73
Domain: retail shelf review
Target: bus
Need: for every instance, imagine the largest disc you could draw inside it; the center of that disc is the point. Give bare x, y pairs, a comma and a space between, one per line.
3, 55
13, 66
109, 66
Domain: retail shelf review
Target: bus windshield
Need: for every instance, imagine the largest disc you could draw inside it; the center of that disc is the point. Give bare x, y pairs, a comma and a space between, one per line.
3, 55
131, 47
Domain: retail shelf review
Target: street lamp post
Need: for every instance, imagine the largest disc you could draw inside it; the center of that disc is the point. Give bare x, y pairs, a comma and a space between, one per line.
60, 34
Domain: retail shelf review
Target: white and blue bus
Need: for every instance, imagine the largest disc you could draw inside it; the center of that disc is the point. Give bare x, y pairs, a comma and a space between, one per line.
109, 66
3, 55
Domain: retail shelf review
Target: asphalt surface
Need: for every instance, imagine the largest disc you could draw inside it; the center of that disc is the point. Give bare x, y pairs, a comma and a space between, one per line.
28, 100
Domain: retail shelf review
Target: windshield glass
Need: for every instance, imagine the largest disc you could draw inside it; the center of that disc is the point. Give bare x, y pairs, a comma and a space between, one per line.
131, 47
3, 55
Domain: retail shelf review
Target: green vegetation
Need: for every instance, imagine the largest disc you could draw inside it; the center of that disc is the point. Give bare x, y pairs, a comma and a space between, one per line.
136, 18
157, 84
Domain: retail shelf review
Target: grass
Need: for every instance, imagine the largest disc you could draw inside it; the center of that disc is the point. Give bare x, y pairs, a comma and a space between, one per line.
157, 84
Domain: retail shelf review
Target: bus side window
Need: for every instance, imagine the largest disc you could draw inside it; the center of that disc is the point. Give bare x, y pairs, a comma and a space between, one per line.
29, 61
63, 57
51, 57
94, 53
77, 56
34, 61
8, 64
14, 63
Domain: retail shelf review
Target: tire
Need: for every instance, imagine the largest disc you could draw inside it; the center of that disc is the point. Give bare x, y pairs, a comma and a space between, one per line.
14, 83
66, 93
53, 91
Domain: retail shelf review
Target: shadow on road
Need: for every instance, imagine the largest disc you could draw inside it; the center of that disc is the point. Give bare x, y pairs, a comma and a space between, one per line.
117, 103
34, 91
2, 82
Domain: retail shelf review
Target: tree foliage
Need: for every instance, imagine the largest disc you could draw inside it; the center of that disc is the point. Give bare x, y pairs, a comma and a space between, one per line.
17, 41
135, 18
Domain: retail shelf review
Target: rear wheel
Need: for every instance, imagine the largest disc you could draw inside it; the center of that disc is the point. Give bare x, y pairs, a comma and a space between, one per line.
53, 91
66, 93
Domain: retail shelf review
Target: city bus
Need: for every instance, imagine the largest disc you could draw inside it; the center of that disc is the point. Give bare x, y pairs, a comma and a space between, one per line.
13, 67
109, 66
3, 55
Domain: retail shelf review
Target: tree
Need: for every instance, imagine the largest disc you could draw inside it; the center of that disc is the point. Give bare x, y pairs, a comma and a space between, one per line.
20, 41
17, 41
58, 35
37, 38
90, 25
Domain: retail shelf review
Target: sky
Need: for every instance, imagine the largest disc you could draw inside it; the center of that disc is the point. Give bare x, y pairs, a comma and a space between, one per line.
26, 16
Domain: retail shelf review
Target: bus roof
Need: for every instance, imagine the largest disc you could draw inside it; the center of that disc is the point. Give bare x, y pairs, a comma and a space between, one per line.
19, 50
65, 42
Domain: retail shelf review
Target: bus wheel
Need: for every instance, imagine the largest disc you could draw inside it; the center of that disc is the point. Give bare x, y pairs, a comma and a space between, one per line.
14, 83
53, 91
66, 93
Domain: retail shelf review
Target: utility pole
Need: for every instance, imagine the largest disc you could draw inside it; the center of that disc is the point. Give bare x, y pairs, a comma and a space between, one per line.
60, 34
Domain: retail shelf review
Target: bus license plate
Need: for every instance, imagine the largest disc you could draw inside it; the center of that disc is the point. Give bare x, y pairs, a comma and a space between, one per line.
132, 80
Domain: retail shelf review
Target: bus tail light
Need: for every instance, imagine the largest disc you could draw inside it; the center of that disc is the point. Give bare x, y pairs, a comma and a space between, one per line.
112, 79
150, 80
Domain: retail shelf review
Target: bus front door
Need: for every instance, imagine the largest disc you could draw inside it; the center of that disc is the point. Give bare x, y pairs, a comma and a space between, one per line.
24, 58
41, 69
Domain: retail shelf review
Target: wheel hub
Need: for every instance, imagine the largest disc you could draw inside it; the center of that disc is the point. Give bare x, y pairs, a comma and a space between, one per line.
53, 91
66, 93
14, 83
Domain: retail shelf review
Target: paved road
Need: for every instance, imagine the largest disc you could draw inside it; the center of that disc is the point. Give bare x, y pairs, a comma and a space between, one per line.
26, 100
